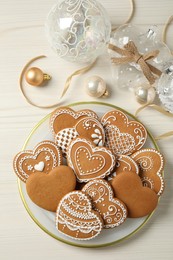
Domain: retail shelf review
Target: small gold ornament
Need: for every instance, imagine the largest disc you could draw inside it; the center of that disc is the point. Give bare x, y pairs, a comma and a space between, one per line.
35, 76
96, 87
145, 94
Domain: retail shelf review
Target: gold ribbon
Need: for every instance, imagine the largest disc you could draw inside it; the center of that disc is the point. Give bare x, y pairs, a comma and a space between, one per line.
132, 10
130, 54
165, 29
157, 108
163, 136
66, 86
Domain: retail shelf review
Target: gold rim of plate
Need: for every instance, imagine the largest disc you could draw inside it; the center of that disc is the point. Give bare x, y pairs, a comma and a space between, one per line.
36, 220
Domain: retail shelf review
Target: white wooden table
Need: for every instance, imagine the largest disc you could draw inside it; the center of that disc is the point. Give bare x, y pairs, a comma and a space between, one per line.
20, 237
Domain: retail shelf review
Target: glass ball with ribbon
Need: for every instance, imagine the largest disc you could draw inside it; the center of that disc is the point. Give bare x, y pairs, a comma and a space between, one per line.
139, 56
78, 30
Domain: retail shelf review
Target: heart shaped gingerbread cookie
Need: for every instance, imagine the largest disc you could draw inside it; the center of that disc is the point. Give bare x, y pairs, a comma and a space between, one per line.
45, 157
75, 217
112, 210
140, 201
46, 190
151, 163
65, 117
86, 127
122, 135
89, 161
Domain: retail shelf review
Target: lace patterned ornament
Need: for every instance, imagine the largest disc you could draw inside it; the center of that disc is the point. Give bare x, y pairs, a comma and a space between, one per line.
78, 30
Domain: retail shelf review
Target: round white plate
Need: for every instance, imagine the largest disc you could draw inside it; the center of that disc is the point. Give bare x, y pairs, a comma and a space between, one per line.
46, 220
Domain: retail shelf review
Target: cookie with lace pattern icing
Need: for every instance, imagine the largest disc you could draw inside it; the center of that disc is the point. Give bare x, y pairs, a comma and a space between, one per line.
66, 117
43, 158
151, 164
87, 127
123, 136
139, 200
75, 217
124, 163
88, 160
46, 190
112, 210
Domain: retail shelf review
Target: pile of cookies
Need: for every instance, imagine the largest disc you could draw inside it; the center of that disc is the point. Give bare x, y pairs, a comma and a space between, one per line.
95, 174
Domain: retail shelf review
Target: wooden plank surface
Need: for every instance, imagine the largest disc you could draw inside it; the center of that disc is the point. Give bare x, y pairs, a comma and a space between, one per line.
21, 38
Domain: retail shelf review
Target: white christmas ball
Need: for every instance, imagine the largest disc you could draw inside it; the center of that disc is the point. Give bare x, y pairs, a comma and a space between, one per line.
78, 30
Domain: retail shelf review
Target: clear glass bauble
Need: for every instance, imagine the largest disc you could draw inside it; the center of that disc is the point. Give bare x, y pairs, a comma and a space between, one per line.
164, 87
130, 75
78, 30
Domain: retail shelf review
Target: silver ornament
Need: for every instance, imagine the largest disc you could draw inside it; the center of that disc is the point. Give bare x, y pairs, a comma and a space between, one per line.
165, 86
78, 30
96, 87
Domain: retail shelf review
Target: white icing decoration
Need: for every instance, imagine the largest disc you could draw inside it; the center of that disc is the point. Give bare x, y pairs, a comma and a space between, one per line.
101, 159
74, 114
119, 143
146, 164
64, 137
30, 167
39, 166
76, 215
33, 155
47, 158
123, 143
98, 131
127, 167
98, 190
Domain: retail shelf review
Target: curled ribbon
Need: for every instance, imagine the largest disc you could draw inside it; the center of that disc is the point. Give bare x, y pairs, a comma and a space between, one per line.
130, 54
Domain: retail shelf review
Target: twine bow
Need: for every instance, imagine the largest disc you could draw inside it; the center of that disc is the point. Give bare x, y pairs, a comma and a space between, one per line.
131, 54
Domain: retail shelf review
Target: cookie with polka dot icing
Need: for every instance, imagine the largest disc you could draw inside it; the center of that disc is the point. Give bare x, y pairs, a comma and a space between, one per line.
43, 158
88, 160
46, 190
123, 136
151, 164
75, 217
124, 163
112, 210
87, 127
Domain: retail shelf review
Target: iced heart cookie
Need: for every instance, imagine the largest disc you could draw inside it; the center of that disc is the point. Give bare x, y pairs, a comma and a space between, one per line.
122, 135
111, 209
75, 217
124, 163
45, 157
92, 129
151, 163
65, 117
140, 201
88, 160
86, 127
46, 190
